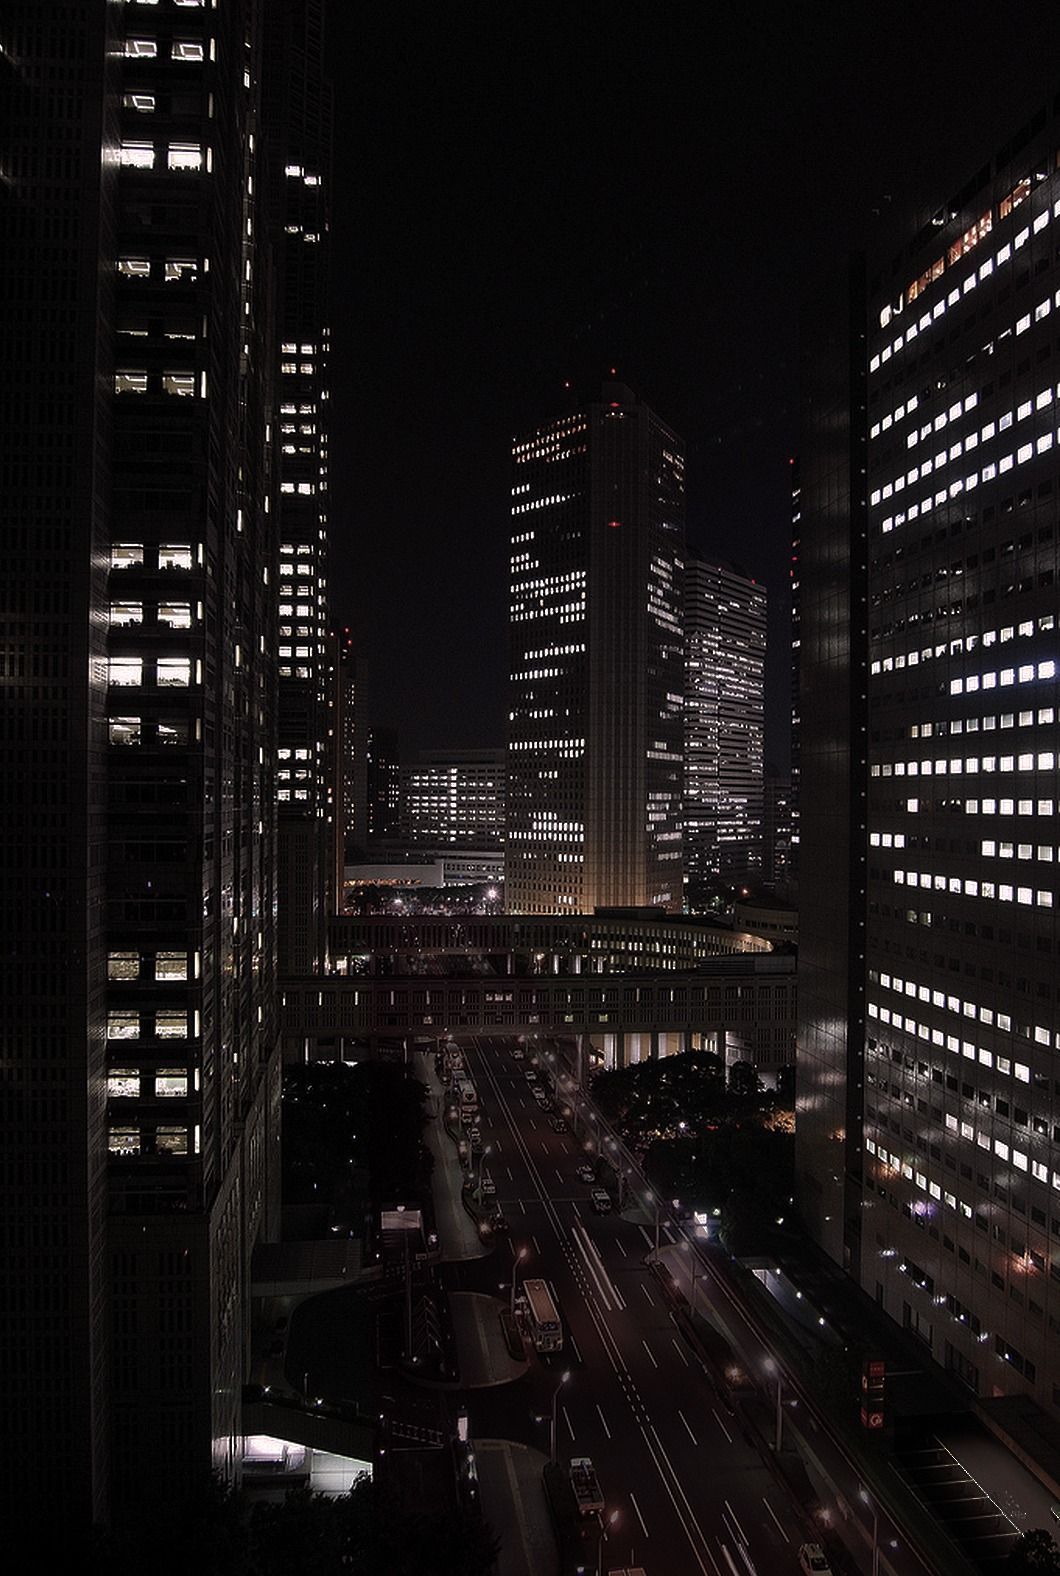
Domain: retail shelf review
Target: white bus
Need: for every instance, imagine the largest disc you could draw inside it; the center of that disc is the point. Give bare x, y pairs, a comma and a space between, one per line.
468, 1095
546, 1331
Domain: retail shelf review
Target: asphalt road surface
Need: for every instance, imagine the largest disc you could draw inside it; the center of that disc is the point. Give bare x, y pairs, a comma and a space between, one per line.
686, 1491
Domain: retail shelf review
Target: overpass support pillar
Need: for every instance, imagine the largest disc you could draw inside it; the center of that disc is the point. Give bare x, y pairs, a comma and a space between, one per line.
653, 1051
687, 1041
620, 1049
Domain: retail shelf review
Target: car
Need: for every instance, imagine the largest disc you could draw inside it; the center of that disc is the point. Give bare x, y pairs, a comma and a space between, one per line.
499, 1223
812, 1561
531, 1075
557, 1124
489, 1187
600, 1199
519, 1054
476, 1139
587, 1173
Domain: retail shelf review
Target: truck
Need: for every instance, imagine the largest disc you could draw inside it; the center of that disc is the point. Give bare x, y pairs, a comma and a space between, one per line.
586, 1486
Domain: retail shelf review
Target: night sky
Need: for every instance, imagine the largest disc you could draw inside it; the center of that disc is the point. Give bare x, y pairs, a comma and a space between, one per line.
529, 194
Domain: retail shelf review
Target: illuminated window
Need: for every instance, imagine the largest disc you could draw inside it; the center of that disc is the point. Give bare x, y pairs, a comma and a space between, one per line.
141, 48
124, 1141
187, 49
181, 270
124, 730
171, 1025
130, 381
171, 966
184, 156
127, 671
134, 267
170, 733
171, 1140
143, 102
171, 1083
174, 672
174, 556
123, 1026
177, 615
137, 156
123, 555
123, 965
126, 613
123, 1083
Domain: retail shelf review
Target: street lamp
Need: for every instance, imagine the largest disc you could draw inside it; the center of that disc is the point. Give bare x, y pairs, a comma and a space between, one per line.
773, 1368
871, 1503
604, 1525
552, 1430
485, 1150
518, 1258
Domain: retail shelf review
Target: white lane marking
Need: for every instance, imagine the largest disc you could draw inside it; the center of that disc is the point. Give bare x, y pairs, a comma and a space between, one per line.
566, 1419
590, 1266
677, 1349
522, 1102
577, 1349
621, 1249
537, 1245
522, 1205
669, 1230
684, 1420
721, 1425
648, 1349
729, 1559
576, 1207
603, 1420
509, 1171
773, 1513
591, 1255
558, 1172
640, 1518
644, 1234
532, 1122
735, 1520
497, 1145
647, 1294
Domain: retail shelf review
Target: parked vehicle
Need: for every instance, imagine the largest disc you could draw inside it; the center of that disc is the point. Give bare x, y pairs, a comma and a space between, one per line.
557, 1124
600, 1199
489, 1187
586, 1173
812, 1560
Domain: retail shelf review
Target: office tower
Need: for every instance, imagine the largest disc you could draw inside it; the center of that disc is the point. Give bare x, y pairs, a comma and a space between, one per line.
796, 665
383, 785
454, 799
725, 652
596, 662
298, 141
139, 1028
355, 731
777, 831
928, 1071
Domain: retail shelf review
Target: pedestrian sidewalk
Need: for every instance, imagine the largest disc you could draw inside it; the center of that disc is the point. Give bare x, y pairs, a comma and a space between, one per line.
515, 1506
457, 1232
482, 1352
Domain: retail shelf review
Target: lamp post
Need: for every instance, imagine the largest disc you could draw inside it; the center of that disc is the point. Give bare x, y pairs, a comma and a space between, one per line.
518, 1258
604, 1525
778, 1436
871, 1503
485, 1150
552, 1429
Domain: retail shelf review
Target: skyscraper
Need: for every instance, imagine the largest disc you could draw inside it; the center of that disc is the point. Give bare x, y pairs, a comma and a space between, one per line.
725, 653
298, 139
454, 799
929, 1089
596, 662
140, 1122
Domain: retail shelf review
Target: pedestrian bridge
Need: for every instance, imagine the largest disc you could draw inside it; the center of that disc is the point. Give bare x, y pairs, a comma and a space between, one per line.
635, 986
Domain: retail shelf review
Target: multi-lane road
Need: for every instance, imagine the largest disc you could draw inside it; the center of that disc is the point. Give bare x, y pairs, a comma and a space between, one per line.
685, 1491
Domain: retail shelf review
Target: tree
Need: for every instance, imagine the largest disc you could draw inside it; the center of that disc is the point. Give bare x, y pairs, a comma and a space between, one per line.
1034, 1552
743, 1079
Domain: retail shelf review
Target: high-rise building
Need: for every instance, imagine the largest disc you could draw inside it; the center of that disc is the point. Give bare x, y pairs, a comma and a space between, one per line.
140, 1125
796, 666
929, 1076
454, 799
298, 140
596, 684
383, 785
777, 831
725, 652
353, 671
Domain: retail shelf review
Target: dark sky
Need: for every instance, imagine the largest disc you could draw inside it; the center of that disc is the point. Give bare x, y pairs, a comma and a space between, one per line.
526, 194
